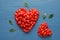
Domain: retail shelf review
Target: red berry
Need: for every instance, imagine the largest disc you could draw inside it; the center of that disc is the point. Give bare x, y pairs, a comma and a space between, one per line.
44, 34
23, 9
49, 32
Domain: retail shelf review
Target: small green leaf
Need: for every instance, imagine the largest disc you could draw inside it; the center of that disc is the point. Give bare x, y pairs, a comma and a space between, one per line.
10, 22
25, 4
44, 16
12, 30
51, 15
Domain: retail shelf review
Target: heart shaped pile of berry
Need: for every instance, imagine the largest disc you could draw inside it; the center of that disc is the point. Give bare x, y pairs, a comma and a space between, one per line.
44, 31
26, 19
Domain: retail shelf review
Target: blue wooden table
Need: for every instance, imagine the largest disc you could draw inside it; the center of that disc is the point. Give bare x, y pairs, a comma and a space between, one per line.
8, 8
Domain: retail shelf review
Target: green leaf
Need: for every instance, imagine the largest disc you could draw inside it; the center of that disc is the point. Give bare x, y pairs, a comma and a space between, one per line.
44, 16
12, 30
25, 4
51, 15
10, 22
